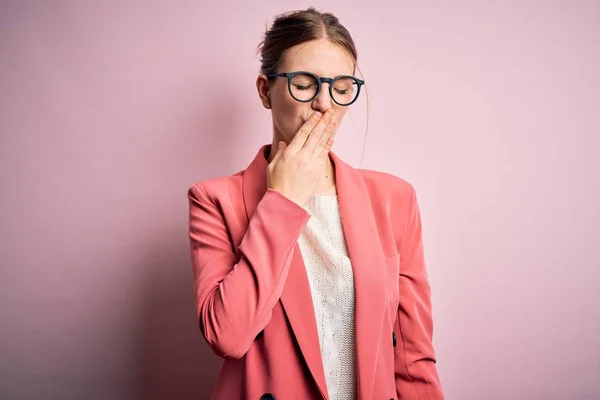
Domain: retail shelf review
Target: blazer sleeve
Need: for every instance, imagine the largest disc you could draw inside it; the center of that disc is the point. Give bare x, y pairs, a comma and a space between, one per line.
235, 298
415, 360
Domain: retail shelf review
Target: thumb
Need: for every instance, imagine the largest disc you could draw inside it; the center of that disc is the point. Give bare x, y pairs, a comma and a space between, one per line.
280, 148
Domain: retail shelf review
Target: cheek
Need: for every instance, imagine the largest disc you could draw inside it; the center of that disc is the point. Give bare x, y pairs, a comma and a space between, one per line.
290, 108
288, 116
283, 103
287, 113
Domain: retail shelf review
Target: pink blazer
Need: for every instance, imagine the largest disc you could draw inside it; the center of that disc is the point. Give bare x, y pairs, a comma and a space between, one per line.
253, 298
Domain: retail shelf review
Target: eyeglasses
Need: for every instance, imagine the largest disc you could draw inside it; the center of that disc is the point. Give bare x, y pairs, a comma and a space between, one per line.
305, 86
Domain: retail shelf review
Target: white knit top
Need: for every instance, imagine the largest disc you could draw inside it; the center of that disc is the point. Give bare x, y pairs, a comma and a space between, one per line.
325, 254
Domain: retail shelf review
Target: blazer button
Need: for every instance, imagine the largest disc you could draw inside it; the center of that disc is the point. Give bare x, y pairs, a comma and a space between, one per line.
267, 396
394, 338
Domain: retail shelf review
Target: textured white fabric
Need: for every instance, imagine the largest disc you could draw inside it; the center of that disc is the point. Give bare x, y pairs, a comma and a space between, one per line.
325, 254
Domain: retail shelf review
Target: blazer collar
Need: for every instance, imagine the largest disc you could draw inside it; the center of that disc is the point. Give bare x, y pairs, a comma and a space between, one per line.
368, 263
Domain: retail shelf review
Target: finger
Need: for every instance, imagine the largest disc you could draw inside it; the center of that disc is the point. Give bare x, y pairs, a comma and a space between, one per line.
280, 148
313, 139
334, 127
300, 138
325, 153
326, 139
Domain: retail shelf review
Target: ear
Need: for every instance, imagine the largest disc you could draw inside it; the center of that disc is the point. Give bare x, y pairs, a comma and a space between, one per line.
262, 86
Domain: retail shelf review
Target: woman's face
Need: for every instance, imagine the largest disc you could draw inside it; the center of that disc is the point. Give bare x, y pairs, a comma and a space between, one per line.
322, 58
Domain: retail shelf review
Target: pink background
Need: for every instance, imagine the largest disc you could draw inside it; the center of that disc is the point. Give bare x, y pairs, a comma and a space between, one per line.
109, 111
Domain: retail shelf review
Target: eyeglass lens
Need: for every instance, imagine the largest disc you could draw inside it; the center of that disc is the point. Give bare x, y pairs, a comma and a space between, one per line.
303, 87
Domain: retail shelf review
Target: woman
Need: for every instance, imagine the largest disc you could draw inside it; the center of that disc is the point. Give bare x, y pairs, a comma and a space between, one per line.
309, 274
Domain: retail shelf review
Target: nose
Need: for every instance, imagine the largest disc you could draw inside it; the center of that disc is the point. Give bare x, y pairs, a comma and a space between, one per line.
323, 101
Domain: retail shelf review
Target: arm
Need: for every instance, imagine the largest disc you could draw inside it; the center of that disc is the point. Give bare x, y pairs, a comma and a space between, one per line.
235, 298
415, 370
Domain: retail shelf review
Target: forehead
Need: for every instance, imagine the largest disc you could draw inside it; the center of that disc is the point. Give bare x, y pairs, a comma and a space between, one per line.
320, 57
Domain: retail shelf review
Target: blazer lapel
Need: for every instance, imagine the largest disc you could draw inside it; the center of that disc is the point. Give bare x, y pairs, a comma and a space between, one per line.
296, 297
367, 260
368, 264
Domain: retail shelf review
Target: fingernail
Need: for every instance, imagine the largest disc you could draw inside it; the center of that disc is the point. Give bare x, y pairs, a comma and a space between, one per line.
317, 114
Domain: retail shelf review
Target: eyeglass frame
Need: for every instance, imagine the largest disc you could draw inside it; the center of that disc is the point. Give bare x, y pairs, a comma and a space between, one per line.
320, 80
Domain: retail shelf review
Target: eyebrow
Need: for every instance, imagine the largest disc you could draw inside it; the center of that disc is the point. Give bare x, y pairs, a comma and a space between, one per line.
320, 75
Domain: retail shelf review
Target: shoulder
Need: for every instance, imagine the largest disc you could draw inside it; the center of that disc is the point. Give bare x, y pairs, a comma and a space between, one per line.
383, 185
215, 188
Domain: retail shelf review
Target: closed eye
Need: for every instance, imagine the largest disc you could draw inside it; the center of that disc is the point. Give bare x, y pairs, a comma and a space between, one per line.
301, 87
